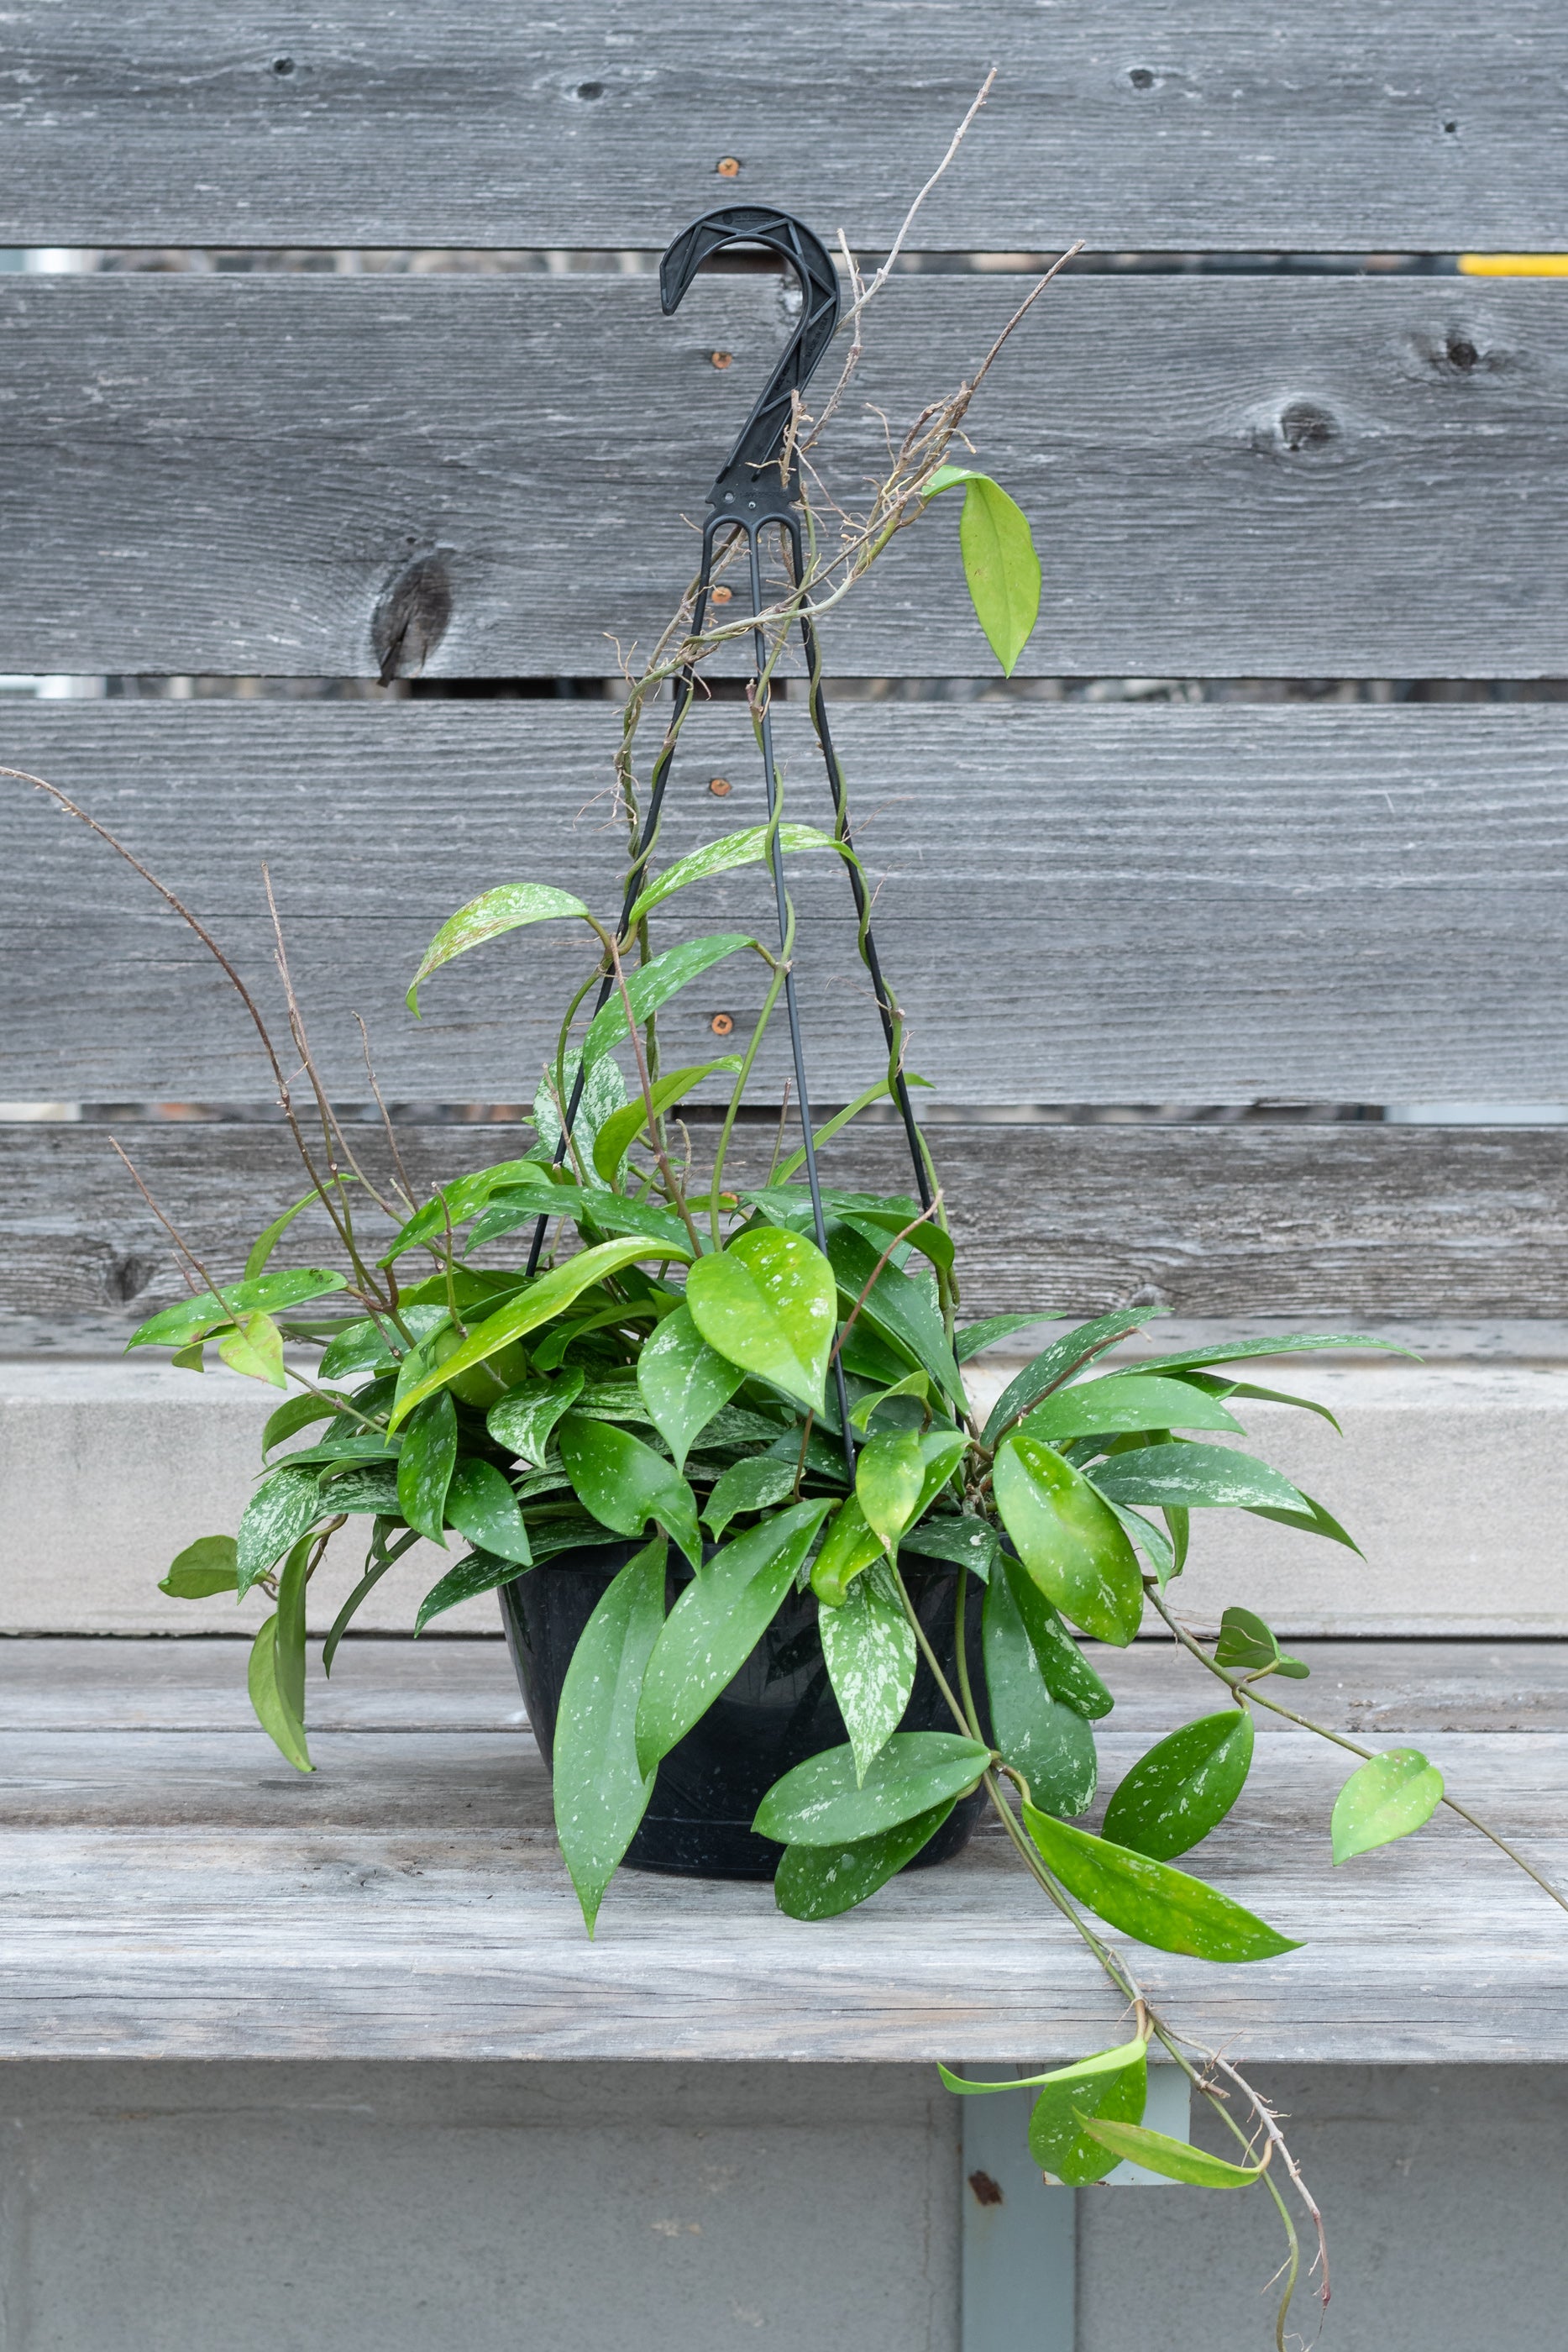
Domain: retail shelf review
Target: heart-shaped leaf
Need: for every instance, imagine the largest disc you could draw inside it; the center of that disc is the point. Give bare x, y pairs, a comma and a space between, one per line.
767, 1303
207, 1565
1385, 1798
1069, 1538
1172, 1797
716, 1624
600, 1791
255, 1349
1159, 1906
868, 1644
682, 1381
822, 1803
505, 908
819, 1882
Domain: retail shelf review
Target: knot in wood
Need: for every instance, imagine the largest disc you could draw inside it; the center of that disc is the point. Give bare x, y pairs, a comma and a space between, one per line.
412, 616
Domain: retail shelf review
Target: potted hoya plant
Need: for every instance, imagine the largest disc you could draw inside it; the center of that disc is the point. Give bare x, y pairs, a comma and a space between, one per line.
784, 1599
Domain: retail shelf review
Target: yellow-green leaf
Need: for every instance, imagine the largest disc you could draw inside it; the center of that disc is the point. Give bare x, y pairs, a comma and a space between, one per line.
485, 917
1385, 1798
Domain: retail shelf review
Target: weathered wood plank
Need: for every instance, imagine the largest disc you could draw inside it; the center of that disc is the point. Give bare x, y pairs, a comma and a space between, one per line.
467, 1689
1358, 1223
170, 123
1228, 476
1196, 906
447, 1934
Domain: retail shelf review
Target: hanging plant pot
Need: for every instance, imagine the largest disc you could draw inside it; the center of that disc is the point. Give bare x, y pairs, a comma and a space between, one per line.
778, 1710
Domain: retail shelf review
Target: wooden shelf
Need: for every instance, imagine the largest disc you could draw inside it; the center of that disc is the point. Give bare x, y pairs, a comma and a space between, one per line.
169, 1889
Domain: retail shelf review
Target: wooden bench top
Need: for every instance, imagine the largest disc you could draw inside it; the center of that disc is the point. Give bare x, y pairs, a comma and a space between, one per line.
169, 1889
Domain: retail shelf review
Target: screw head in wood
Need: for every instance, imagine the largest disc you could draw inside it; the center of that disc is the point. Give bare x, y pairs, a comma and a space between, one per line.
720, 787
723, 1024
728, 167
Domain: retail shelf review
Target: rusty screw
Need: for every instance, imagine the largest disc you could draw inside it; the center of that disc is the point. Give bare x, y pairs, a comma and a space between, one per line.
723, 1024
720, 787
722, 595
729, 167
721, 359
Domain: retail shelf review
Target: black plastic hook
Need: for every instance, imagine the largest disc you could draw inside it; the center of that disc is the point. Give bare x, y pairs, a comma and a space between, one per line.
761, 440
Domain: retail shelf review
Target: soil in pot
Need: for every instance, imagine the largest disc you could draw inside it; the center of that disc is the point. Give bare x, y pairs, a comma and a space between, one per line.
778, 1710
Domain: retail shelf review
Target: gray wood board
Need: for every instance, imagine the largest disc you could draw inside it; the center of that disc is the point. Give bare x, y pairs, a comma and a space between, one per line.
1227, 476
1081, 904
465, 1687
168, 122
411, 1903
1355, 1223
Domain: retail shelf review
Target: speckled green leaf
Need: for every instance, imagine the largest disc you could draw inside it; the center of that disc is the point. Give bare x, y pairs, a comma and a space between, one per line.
869, 1645
1184, 1787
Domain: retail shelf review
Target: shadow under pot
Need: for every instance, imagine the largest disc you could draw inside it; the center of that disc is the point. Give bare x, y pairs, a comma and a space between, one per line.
778, 1710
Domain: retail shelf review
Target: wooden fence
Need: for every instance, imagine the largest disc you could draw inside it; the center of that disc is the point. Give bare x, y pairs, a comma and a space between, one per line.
1229, 475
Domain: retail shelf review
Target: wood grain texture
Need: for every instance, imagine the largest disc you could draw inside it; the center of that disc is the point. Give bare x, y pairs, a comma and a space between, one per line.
1079, 904
1229, 476
305, 1926
1356, 1223
171, 123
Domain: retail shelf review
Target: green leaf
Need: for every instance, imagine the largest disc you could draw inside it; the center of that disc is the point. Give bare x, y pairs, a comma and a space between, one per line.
748, 848
1195, 1476
1066, 1672
368, 1346
1111, 2086
915, 1385
541, 1302
869, 1645
848, 1548
1174, 2159
455, 1202
1157, 1548
1185, 1786
1112, 2083
1213, 1385
426, 1464
752, 1484
266, 1241
1313, 1521
1249, 1646
1049, 1743
1239, 1350
841, 1119
479, 1573
626, 1484
822, 1803
1058, 1363
977, 1336
1069, 1540
371, 1489
619, 1132
603, 1094
1149, 1900
505, 908
600, 1791
379, 1560
898, 1309
296, 1414
682, 1381
207, 1565
820, 1882
178, 1325
255, 1349
524, 1418
272, 1712
967, 1541
1125, 1400
602, 1211
716, 1624
284, 1506
1385, 1798
890, 1472
767, 1303
481, 1506
653, 983
1000, 563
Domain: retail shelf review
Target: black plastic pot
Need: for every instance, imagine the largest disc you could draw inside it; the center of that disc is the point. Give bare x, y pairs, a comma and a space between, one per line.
778, 1710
